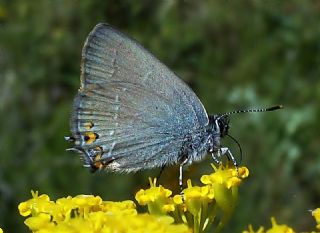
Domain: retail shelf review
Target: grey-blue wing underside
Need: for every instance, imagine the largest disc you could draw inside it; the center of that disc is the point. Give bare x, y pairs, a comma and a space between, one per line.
138, 110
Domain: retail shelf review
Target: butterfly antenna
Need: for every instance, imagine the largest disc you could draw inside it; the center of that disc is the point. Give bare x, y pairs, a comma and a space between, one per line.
235, 140
270, 109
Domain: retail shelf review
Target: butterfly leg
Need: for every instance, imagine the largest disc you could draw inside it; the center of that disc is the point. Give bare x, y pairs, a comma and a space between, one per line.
216, 157
160, 173
184, 162
226, 151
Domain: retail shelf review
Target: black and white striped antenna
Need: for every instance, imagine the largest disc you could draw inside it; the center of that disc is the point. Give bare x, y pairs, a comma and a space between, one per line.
270, 109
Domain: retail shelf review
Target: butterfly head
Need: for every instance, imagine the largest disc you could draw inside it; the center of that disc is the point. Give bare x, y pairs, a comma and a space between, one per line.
220, 124
223, 123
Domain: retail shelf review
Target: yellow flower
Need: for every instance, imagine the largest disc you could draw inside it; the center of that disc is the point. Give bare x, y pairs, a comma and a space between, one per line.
85, 211
316, 215
196, 208
279, 228
195, 201
260, 230
1, 231
35, 205
276, 228
225, 181
156, 198
229, 177
195, 197
100, 216
192, 192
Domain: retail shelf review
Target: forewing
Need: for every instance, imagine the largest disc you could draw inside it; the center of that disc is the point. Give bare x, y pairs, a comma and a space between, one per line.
131, 111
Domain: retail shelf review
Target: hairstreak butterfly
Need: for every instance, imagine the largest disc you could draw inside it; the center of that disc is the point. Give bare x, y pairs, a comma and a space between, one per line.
131, 112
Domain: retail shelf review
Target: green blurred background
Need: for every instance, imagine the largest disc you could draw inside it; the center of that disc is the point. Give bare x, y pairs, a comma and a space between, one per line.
234, 54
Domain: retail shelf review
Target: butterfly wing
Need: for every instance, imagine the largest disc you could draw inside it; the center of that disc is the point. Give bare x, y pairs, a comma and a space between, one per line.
131, 111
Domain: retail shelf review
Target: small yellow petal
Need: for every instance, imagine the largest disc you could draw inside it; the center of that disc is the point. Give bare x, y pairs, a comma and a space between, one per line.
38, 222
168, 208
24, 209
243, 172
205, 179
177, 199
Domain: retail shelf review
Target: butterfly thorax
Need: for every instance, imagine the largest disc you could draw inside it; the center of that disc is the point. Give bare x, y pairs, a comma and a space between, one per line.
205, 140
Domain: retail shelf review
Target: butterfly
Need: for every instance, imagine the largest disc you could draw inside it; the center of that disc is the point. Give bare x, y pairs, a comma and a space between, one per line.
132, 113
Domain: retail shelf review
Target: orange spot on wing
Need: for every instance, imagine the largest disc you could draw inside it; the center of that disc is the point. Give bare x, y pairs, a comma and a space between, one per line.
97, 162
90, 137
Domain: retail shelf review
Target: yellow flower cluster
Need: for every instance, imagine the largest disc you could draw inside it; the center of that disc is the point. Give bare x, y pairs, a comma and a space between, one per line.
276, 228
88, 213
157, 199
197, 206
194, 210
